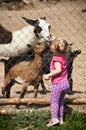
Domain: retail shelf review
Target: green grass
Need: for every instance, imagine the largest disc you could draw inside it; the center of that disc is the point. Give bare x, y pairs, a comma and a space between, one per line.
39, 119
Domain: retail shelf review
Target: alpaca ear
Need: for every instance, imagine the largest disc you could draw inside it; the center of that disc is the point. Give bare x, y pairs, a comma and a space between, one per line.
71, 44
43, 18
30, 21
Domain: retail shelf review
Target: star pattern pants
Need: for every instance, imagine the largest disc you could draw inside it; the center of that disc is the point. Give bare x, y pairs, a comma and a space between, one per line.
57, 99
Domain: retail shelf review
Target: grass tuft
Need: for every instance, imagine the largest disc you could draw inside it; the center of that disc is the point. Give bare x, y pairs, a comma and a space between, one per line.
38, 119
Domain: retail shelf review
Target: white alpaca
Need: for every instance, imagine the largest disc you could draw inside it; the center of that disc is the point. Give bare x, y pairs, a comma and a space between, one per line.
22, 39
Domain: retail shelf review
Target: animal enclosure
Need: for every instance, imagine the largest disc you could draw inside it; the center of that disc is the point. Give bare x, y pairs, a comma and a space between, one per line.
65, 20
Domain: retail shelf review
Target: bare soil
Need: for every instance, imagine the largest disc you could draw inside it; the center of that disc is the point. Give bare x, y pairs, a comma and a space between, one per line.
67, 22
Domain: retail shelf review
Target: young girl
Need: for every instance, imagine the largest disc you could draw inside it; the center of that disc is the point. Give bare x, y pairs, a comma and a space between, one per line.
58, 76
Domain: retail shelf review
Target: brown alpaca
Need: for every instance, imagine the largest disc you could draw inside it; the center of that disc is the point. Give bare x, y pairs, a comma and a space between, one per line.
26, 73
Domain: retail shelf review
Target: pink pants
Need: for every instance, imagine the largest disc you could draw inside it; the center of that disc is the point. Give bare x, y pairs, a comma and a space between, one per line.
57, 98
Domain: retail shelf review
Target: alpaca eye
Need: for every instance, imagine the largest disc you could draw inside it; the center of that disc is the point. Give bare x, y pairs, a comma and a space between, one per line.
39, 29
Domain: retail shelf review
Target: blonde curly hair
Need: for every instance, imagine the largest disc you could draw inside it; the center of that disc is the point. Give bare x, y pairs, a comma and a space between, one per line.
60, 45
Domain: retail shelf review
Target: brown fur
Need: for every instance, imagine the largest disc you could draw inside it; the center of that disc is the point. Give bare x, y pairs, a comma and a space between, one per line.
29, 71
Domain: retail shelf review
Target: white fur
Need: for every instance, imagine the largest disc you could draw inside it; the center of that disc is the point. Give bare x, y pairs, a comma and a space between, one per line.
23, 37
45, 32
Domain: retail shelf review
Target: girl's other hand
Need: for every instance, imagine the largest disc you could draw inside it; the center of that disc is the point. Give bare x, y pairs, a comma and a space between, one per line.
46, 77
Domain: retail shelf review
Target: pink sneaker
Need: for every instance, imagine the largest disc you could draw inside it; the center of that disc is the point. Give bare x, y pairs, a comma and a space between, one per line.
61, 121
53, 122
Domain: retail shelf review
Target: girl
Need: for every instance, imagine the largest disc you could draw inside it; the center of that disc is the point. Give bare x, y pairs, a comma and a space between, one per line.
58, 76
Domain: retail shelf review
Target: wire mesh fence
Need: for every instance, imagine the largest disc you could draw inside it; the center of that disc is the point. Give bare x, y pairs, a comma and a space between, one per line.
68, 21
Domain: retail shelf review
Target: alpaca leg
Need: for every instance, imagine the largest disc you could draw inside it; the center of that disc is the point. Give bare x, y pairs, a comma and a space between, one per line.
71, 85
44, 90
36, 87
24, 89
8, 87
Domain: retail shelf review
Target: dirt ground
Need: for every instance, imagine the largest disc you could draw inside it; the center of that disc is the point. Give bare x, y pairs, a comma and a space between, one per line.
67, 22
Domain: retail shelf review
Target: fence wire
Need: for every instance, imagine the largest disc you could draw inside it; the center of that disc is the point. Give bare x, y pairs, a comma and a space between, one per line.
68, 21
